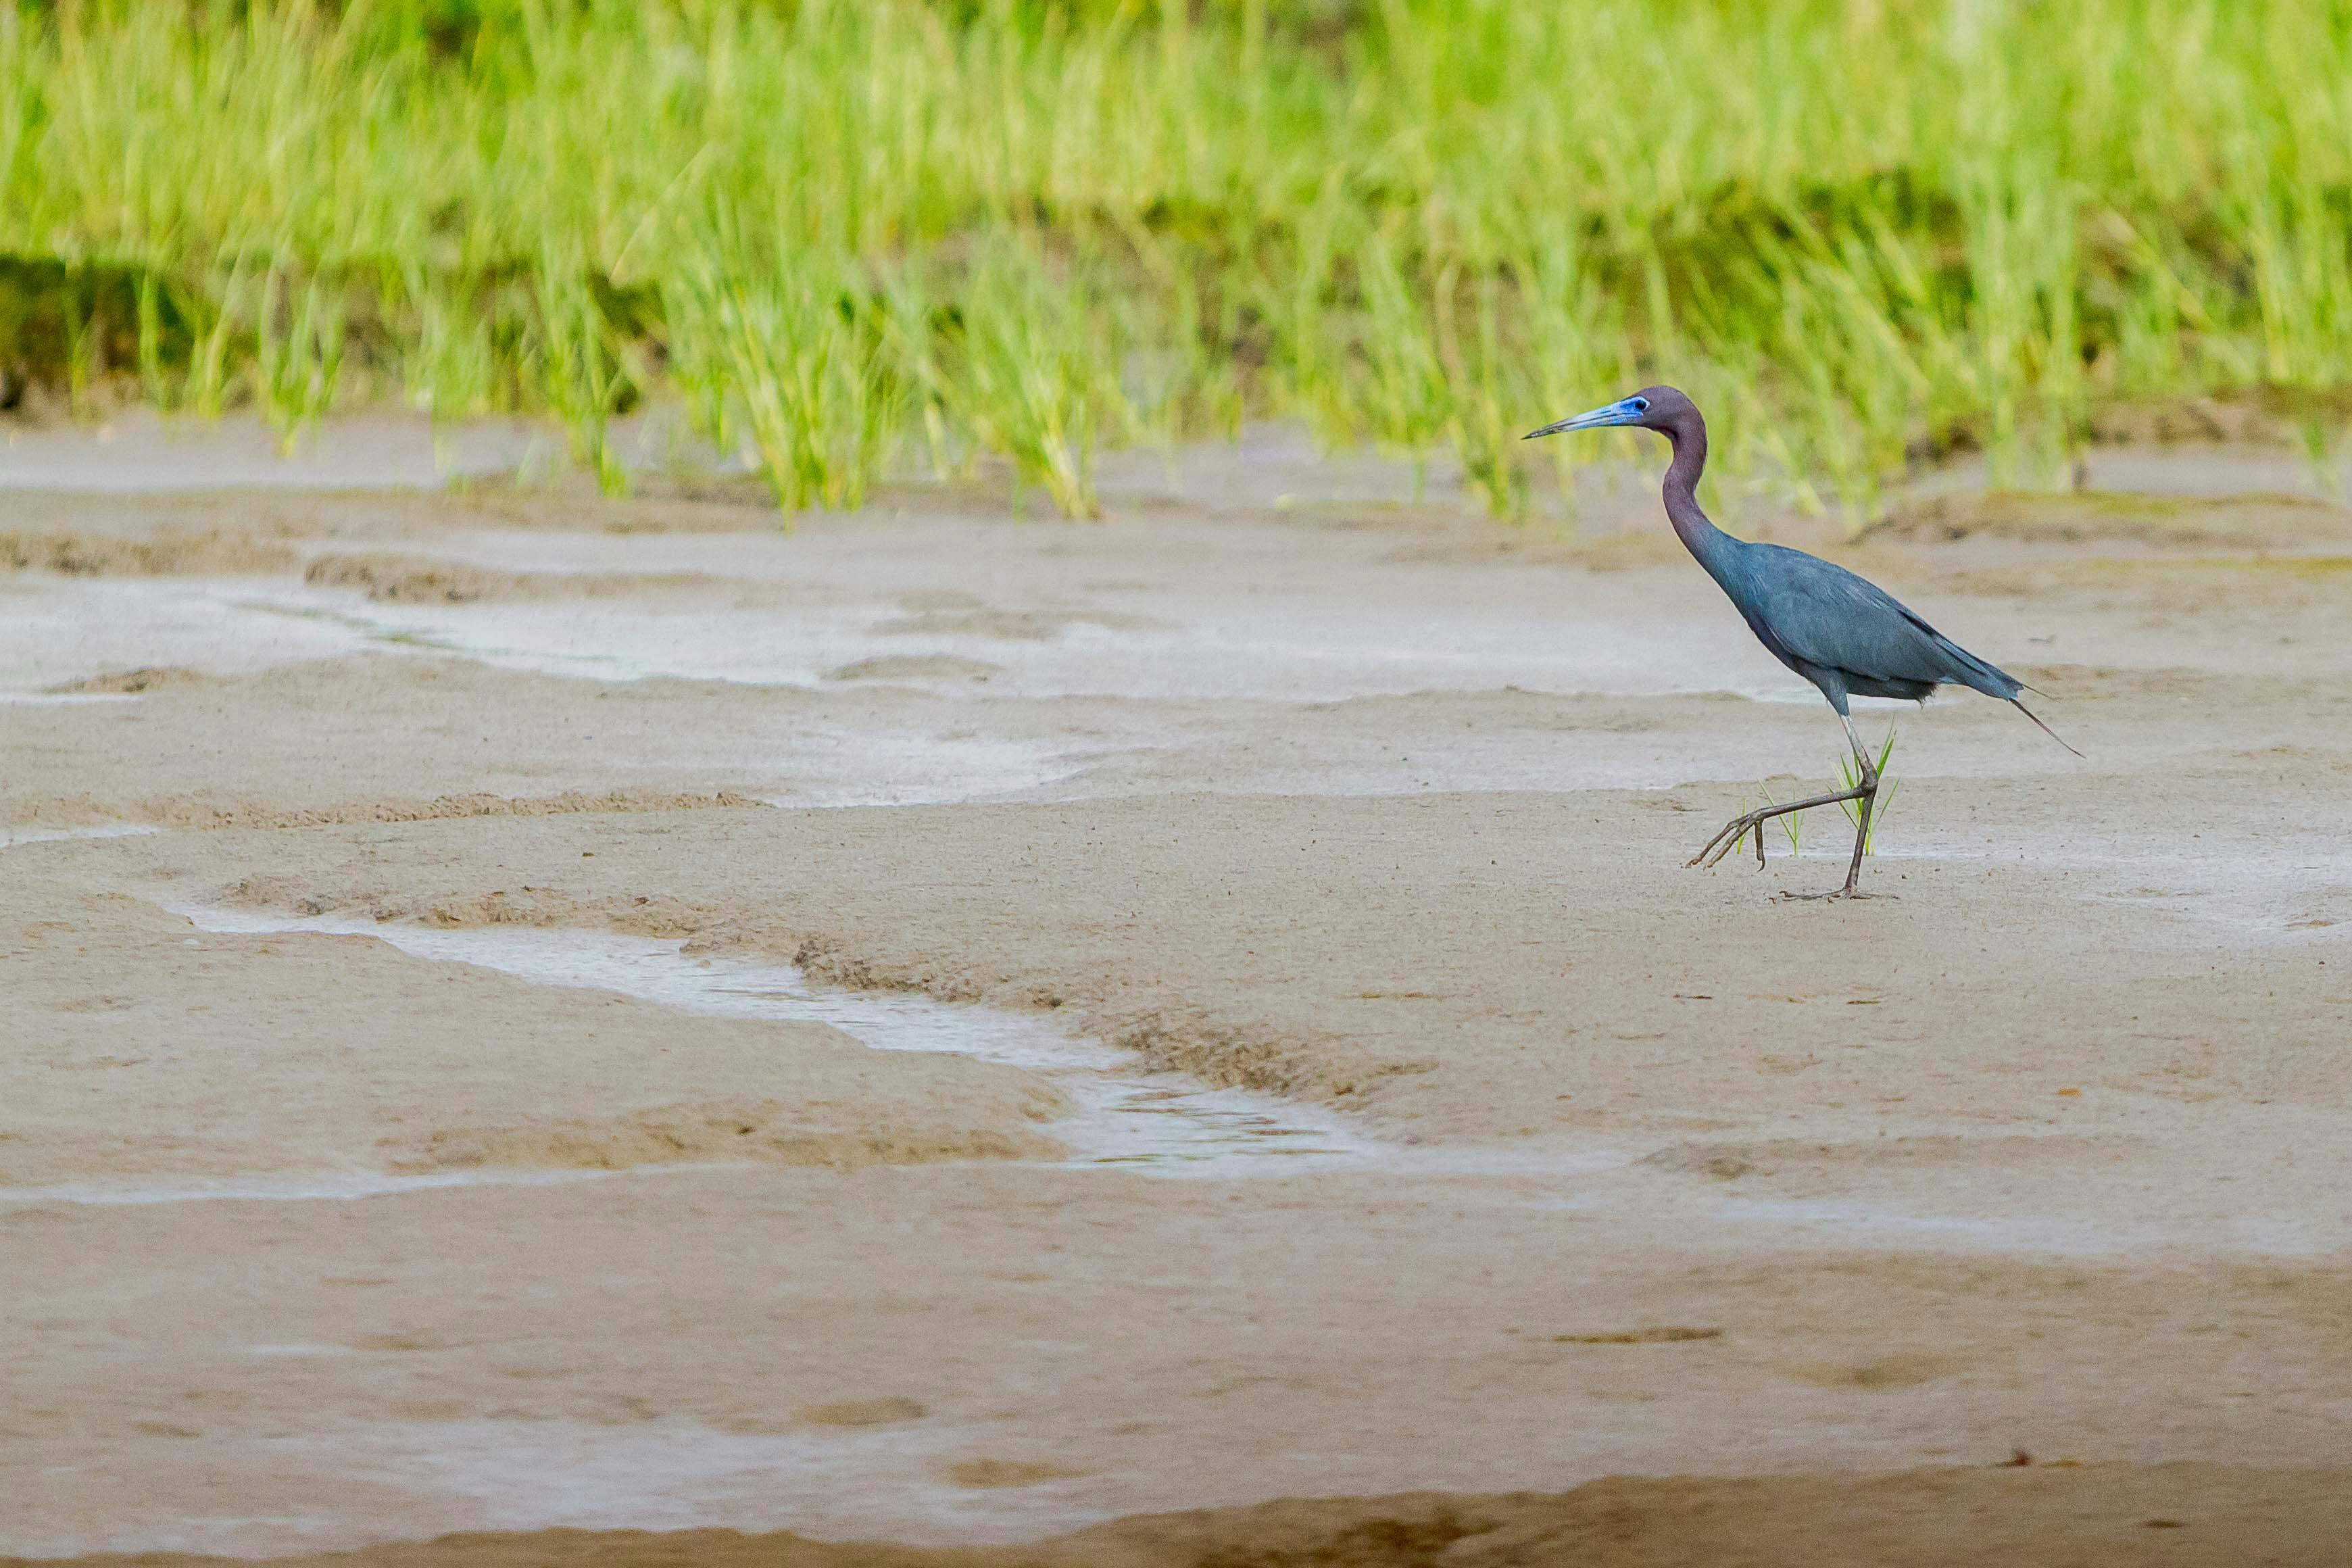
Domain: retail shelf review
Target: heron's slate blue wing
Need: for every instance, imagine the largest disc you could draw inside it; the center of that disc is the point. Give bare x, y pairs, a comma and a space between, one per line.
1826, 617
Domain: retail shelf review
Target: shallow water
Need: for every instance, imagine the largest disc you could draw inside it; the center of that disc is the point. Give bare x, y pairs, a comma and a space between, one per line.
14, 835
58, 629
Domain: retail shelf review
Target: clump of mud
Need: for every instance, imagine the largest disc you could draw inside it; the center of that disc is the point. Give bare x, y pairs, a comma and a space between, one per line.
211, 551
766, 1133
916, 667
235, 814
884, 1412
404, 579
1011, 625
1661, 1334
524, 904
131, 682
570, 803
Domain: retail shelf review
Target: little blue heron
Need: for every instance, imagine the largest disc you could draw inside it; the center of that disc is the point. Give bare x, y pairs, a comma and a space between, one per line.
1847, 637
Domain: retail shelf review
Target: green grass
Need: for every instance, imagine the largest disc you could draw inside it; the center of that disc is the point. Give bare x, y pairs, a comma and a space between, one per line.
1791, 826
867, 236
1850, 777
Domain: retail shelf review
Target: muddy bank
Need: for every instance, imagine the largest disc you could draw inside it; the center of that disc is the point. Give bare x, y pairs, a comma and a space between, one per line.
2089, 1517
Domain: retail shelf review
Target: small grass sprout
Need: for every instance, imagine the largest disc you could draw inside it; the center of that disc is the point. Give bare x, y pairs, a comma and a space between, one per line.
1850, 777
1791, 825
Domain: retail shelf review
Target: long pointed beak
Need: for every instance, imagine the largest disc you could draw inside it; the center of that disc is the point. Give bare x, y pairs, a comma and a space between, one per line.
1621, 412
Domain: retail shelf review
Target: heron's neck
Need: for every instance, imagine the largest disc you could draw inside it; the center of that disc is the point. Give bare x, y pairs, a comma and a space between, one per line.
1707, 544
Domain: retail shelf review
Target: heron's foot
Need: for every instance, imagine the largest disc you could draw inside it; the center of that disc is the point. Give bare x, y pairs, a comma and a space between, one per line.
1786, 897
1734, 834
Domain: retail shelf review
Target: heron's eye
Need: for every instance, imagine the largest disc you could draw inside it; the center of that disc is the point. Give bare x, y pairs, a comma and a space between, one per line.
1640, 406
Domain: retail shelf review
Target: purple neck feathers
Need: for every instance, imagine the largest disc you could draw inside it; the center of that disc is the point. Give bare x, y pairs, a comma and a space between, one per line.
1709, 544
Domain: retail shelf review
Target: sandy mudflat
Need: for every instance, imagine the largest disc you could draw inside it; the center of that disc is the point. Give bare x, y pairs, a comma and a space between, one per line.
1343, 840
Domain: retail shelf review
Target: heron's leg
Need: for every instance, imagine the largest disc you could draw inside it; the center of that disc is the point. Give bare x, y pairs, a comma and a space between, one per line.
1864, 798
1861, 838
1860, 754
1735, 831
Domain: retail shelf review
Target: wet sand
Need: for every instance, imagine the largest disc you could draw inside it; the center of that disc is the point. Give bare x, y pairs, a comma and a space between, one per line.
1365, 816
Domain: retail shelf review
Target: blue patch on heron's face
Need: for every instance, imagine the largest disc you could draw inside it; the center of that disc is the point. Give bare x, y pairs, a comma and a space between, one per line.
1625, 411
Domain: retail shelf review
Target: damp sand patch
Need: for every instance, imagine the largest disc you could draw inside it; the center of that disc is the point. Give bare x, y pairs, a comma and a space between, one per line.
2274, 888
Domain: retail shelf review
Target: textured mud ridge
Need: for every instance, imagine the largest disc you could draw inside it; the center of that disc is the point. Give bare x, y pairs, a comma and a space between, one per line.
213, 551
397, 579
2016, 1516
132, 682
230, 814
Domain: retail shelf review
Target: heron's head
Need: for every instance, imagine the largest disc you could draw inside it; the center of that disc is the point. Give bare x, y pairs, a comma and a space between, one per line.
1659, 408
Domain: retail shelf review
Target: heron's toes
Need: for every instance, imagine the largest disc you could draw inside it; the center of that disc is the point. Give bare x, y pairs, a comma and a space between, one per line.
1732, 834
1786, 897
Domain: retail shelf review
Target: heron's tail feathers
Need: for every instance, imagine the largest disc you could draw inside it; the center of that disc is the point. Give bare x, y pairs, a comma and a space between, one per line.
2038, 724
1965, 668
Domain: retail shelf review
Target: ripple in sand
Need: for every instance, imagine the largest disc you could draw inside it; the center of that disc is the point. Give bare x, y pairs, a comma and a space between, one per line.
323, 1185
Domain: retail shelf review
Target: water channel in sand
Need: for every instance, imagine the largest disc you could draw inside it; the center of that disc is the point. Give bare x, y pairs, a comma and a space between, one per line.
1161, 1123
